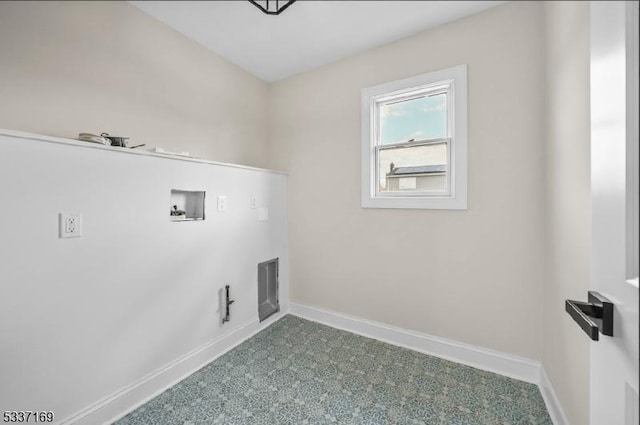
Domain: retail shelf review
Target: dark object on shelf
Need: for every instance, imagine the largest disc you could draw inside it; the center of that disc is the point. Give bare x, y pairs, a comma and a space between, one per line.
228, 302
176, 212
116, 141
272, 7
594, 317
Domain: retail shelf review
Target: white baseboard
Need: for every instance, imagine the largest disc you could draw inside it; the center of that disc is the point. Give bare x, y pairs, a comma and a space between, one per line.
127, 399
551, 400
478, 357
482, 358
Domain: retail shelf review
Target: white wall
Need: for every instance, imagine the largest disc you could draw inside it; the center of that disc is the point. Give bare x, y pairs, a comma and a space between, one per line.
83, 318
474, 276
91, 66
567, 203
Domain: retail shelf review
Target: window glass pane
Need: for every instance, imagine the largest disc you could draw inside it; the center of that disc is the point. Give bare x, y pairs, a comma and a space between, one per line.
407, 183
418, 168
423, 118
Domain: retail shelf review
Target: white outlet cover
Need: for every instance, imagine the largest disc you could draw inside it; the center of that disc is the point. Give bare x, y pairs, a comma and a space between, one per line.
70, 225
222, 203
253, 202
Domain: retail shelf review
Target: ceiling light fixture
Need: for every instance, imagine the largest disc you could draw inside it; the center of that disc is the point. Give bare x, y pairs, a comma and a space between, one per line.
272, 7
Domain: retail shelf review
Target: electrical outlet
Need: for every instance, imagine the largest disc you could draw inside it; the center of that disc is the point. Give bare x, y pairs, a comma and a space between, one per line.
222, 203
70, 225
253, 203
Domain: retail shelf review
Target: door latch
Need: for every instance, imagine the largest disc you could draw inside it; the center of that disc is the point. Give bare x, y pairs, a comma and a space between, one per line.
594, 316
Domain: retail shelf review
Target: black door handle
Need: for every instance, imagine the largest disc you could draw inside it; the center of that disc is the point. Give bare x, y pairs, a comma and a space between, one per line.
594, 317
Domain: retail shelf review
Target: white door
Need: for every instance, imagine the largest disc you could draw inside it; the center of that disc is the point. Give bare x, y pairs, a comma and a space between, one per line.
614, 207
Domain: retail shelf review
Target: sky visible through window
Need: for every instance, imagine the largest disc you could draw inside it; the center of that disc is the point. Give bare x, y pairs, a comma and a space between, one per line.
420, 119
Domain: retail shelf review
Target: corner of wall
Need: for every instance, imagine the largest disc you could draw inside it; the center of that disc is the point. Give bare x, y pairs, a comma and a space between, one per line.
565, 352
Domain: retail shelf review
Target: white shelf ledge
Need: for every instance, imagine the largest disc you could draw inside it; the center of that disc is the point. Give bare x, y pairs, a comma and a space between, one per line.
89, 145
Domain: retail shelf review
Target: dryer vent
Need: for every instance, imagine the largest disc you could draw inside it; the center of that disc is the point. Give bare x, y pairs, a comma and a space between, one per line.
268, 289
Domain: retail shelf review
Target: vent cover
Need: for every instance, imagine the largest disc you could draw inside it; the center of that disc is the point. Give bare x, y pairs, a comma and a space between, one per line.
268, 303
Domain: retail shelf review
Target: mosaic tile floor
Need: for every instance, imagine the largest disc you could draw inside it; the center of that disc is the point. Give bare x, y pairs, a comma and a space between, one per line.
302, 372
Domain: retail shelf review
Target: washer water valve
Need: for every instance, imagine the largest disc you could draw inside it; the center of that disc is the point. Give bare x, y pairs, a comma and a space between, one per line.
228, 302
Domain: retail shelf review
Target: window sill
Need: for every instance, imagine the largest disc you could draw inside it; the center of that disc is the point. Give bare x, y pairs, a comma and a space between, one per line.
431, 203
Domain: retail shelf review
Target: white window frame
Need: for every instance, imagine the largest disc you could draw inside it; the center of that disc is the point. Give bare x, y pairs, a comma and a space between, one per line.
454, 81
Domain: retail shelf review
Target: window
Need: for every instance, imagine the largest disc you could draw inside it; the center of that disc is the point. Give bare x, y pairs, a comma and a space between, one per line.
414, 142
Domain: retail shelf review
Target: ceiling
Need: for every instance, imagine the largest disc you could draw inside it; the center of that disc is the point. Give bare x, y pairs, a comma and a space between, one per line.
308, 34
